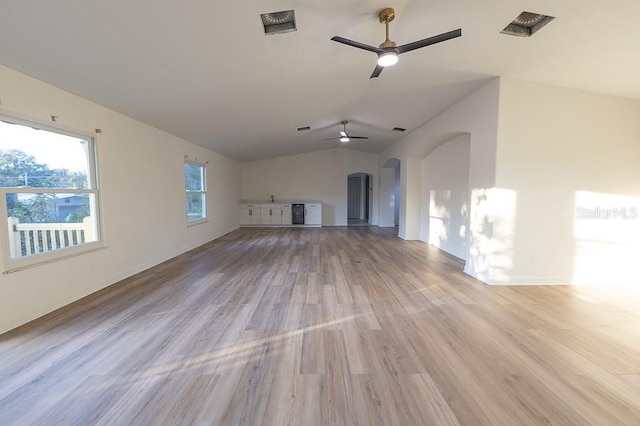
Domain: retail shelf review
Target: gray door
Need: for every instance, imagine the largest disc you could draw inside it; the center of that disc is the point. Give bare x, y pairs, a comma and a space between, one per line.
354, 198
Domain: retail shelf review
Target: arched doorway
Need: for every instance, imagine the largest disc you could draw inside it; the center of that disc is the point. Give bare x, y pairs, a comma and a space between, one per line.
359, 199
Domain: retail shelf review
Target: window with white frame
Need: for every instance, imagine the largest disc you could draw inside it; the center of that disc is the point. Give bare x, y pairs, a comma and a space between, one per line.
49, 186
196, 191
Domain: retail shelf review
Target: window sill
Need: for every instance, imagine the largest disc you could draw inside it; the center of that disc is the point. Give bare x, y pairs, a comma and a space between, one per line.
197, 222
33, 261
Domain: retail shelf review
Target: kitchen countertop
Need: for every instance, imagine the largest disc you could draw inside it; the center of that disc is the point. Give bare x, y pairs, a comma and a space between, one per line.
277, 201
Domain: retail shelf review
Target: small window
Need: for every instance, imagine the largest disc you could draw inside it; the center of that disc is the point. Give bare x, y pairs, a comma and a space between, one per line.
48, 184
196, 192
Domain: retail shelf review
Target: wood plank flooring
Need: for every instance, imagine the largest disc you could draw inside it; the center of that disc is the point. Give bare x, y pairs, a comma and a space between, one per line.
325, 326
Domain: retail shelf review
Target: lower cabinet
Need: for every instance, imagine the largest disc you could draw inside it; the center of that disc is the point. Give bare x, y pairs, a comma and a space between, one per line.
265, 217
250, 214
271, 214
245, 218
313, 214
286, 214
278, 214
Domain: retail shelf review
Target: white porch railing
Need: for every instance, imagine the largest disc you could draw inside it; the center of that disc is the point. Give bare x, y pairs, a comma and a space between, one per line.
27, 239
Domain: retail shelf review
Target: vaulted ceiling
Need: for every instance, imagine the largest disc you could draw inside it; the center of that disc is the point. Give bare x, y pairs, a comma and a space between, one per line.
205, 70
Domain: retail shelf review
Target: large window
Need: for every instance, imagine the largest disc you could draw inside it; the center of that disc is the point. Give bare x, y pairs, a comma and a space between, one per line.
48, 184
195, 186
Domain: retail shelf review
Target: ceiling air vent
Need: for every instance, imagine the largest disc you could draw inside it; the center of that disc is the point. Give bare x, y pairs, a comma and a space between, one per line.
279, 22
399, 129
527, 24
304, 129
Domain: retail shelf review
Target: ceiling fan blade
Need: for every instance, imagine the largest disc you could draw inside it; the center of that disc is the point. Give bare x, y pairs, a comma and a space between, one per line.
429, 41
376, 71
356, 44
332, 139
358, 137
343, 134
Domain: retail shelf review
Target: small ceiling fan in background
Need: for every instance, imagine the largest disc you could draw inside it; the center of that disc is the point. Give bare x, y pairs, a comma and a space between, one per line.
388, 51
344, 136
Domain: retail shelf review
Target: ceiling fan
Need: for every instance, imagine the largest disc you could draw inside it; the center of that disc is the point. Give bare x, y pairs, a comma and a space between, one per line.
388, 51
344, 136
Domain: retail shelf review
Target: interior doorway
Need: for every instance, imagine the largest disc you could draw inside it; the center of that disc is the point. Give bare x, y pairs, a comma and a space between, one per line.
359, 199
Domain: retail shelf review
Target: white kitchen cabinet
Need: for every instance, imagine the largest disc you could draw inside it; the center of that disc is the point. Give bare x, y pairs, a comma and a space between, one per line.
250, 214
271, 214
264, 213
286, 214
265, 218
276, 217
245, 217
313, 214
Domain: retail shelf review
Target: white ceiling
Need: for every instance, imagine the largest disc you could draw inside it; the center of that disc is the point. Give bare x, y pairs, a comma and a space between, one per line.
205, 71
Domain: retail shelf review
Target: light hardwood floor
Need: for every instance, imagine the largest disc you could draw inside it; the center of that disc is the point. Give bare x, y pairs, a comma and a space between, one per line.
325, 326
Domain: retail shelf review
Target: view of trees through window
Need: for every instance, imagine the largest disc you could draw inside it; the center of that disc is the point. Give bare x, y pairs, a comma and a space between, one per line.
19, 169
49, 191
194, 181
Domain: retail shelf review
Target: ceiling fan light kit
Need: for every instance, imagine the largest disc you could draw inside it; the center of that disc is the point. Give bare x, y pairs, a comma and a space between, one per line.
388, 51
387, 59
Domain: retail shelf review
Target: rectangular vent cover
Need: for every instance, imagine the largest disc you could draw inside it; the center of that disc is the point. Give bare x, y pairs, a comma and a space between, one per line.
527, 24
279, 22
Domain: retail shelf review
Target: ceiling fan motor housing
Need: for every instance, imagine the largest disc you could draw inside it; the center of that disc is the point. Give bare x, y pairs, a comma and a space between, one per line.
388, 44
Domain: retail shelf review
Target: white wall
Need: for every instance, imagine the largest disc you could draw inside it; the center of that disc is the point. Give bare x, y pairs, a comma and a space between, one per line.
477, 116
559, 151
142, 196
317, 175
396, 195
445, 176
388, 197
